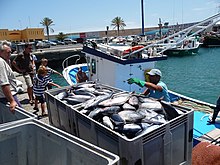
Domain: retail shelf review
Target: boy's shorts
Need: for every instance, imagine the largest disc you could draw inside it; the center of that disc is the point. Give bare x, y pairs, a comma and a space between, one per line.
41, 99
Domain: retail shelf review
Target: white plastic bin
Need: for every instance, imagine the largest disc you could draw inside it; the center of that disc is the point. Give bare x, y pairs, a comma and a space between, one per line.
6, 116
32, 142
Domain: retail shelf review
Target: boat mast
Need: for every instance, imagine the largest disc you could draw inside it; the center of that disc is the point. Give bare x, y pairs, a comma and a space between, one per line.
142, 16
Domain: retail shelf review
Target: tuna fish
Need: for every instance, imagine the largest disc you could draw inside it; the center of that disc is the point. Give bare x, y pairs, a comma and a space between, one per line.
97, 101
133, 100
130, 130
62, 95
114, 101
131, 116
107, 122
110, 110
117, 120
127, 106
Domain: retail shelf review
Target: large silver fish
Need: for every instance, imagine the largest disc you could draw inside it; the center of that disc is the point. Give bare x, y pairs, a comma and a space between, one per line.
95, 112
62, 95
73, 101
98, 100
151, 104
127, 106
158, 119
114, 101
151, 116
84, 90
107, 122
110, 110
86, 85
133, 100
81, 98
117, 120
131, 116
130, 130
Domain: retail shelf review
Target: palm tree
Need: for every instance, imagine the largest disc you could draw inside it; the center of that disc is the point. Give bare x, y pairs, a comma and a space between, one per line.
118, 23
47, 23
61, 36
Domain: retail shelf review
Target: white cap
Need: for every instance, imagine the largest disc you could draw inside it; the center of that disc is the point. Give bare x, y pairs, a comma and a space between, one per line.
155, 72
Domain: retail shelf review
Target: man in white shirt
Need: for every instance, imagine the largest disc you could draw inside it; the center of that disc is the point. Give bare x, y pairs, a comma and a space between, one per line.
7, 79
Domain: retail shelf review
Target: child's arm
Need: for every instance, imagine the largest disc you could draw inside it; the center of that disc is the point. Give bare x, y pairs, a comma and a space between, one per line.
56, 85
54, 71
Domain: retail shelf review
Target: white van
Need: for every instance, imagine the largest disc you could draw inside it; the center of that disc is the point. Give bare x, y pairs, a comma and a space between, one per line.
69, 41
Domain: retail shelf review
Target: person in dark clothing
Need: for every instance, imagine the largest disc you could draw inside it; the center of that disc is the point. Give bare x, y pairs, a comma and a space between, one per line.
23, 63
81, 76
215, 113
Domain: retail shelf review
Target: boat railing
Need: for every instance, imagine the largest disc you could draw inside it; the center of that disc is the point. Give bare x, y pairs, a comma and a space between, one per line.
65, 62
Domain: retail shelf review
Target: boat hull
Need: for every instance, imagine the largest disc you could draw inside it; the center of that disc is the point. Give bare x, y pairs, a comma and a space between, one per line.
211, 41
181, 52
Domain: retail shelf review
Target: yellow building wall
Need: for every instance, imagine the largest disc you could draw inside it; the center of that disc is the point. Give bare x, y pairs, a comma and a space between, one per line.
3, 34
26, 35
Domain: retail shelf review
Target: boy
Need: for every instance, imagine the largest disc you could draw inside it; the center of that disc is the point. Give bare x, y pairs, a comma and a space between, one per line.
39, 87
44, 62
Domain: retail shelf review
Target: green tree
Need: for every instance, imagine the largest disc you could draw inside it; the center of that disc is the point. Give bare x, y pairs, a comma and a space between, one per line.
47, 23
118, 23
61, 36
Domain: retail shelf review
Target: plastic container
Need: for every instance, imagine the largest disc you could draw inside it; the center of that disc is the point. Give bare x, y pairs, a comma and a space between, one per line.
169, 144
6, 117
33, 142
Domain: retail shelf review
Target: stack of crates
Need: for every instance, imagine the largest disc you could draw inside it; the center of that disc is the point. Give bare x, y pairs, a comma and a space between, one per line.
170, 144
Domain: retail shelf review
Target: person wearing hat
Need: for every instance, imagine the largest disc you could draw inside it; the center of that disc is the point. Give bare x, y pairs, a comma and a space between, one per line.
155, 88
215, 113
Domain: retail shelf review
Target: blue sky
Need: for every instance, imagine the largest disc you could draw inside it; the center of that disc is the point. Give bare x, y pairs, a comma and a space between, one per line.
95, 15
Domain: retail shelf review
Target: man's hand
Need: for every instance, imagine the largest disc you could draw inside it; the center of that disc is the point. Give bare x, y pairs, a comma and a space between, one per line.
13, 104
136, 81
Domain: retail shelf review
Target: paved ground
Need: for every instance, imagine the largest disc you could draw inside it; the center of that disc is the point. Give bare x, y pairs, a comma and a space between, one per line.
23, 98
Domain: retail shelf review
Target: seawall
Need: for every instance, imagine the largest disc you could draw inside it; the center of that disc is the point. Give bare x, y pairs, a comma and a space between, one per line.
55, 56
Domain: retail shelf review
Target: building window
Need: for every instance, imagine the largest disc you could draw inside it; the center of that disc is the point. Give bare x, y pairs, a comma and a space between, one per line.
94, 66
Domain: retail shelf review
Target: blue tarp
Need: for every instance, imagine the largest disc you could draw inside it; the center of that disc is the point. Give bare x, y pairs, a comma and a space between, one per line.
200, 124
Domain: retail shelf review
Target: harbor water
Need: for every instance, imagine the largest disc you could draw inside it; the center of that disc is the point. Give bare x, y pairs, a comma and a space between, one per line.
196, 76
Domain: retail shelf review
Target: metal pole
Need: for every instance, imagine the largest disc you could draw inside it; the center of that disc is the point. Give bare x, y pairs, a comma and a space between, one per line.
142, 16
107, 28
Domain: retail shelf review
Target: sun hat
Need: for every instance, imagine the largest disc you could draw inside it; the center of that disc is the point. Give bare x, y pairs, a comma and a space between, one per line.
154, 72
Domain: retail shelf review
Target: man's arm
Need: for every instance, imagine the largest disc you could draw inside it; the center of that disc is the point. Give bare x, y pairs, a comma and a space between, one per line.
153, 86
7, 92
14, 64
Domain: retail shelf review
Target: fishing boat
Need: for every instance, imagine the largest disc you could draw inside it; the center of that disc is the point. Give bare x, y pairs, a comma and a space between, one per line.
188, 47
211, 40
212, 37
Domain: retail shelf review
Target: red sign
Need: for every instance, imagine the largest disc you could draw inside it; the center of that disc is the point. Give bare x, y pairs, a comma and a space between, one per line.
82, 35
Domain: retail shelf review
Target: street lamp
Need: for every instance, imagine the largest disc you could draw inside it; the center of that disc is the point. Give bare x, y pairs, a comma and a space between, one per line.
160, 28
106, 32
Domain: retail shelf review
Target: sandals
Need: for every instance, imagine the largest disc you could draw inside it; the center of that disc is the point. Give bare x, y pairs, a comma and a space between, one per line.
36, 110
31, 102
44, 115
